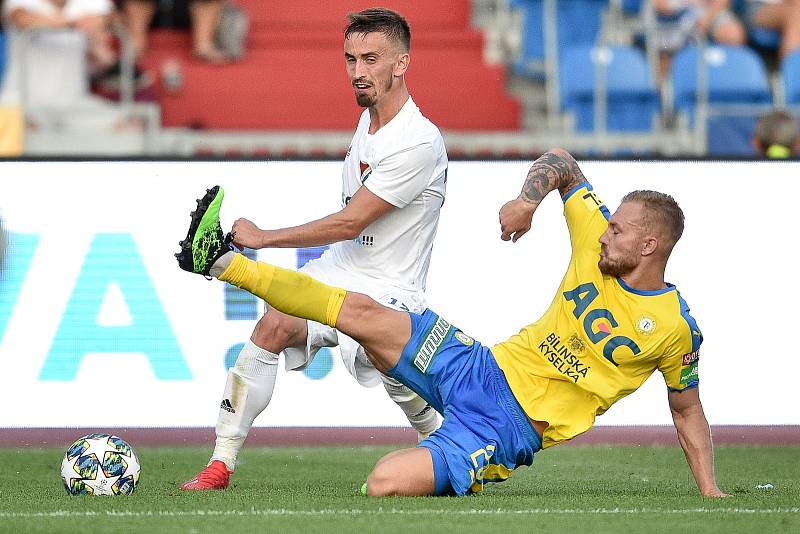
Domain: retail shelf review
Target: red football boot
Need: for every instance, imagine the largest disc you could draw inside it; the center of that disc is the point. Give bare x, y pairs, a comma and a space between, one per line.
214, 477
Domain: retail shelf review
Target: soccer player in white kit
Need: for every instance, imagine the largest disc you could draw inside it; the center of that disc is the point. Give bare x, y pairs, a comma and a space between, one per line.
394, 179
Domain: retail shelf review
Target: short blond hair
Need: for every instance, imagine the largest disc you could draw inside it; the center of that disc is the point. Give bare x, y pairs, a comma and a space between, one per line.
662, 214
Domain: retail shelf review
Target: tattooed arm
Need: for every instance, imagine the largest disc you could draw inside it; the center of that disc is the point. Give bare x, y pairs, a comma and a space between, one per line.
555, 169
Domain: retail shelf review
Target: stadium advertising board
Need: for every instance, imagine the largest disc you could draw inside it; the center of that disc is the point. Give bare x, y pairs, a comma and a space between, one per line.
99, 327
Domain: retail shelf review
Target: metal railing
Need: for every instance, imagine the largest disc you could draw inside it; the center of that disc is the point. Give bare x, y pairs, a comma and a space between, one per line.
57, 121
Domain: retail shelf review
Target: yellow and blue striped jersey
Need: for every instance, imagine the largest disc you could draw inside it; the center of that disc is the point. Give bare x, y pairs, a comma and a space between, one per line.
599, 340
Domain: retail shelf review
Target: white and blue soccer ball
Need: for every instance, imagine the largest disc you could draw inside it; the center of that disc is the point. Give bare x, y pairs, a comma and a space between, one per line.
100, 464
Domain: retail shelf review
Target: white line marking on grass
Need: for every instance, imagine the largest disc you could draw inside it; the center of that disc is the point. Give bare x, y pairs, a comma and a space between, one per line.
254, 512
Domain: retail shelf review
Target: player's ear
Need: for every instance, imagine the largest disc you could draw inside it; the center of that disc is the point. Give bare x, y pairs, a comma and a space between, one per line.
401, 65
649, 245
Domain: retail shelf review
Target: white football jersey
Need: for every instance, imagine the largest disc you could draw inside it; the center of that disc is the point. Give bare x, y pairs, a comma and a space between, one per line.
405, 164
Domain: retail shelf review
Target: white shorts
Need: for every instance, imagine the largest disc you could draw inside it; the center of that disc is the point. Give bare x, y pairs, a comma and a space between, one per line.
319, 335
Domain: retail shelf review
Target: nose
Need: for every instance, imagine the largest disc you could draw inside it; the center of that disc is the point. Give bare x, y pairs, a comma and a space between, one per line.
603, 240
359, 70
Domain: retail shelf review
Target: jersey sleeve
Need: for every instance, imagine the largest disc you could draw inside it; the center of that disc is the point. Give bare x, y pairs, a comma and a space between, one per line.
401, 177
680, 366
587, 217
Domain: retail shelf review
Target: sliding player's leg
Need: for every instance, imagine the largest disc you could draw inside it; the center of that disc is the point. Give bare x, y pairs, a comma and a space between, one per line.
382, 332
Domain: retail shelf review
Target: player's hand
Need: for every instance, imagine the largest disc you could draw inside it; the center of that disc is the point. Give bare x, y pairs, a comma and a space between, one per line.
246, 234
515, 219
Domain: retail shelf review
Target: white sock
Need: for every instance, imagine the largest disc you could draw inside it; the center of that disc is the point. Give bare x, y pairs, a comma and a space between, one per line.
420, 414
247, 393
222, 263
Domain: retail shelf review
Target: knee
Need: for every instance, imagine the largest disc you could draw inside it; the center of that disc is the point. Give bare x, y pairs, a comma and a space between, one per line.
381, 483
276, 331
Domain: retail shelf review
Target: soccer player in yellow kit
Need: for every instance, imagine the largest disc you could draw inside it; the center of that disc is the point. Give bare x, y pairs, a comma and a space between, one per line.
613, 322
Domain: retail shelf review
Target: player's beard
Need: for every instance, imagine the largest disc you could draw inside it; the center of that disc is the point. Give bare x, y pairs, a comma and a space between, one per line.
365, 101
619, 266
369, 100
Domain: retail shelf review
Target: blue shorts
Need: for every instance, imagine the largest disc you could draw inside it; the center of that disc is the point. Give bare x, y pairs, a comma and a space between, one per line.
485, 434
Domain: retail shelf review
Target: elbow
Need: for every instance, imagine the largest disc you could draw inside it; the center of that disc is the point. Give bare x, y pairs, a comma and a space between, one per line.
561, 153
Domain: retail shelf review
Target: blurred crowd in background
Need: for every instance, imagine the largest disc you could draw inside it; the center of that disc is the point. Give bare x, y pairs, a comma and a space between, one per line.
609, 77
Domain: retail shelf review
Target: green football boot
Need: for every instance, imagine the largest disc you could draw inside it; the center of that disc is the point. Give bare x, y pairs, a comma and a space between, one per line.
205, 243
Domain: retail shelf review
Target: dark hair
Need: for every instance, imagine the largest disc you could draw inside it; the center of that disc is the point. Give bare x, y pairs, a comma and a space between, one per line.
777, 127
661, 213
380, 20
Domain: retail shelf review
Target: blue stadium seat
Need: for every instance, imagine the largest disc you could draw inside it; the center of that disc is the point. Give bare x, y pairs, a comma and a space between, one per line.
578, 22
763, 38
632, 7
736, 75
633, 101
732, 135
790, 72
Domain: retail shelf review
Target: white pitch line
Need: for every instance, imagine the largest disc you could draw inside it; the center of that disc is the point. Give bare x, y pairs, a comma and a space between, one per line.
392, 511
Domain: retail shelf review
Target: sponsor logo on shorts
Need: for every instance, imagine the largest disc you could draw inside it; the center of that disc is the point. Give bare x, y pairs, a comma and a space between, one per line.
464, 338
427, 349
690, 358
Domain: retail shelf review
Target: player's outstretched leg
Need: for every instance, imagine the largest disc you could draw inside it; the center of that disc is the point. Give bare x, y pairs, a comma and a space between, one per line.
383, 332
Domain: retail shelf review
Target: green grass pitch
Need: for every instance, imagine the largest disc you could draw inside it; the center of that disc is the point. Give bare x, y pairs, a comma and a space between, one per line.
308, 490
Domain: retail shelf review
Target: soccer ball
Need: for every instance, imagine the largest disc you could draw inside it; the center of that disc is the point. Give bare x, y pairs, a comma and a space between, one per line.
100, 464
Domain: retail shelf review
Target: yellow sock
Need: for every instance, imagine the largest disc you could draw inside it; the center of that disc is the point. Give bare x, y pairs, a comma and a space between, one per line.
290, 292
